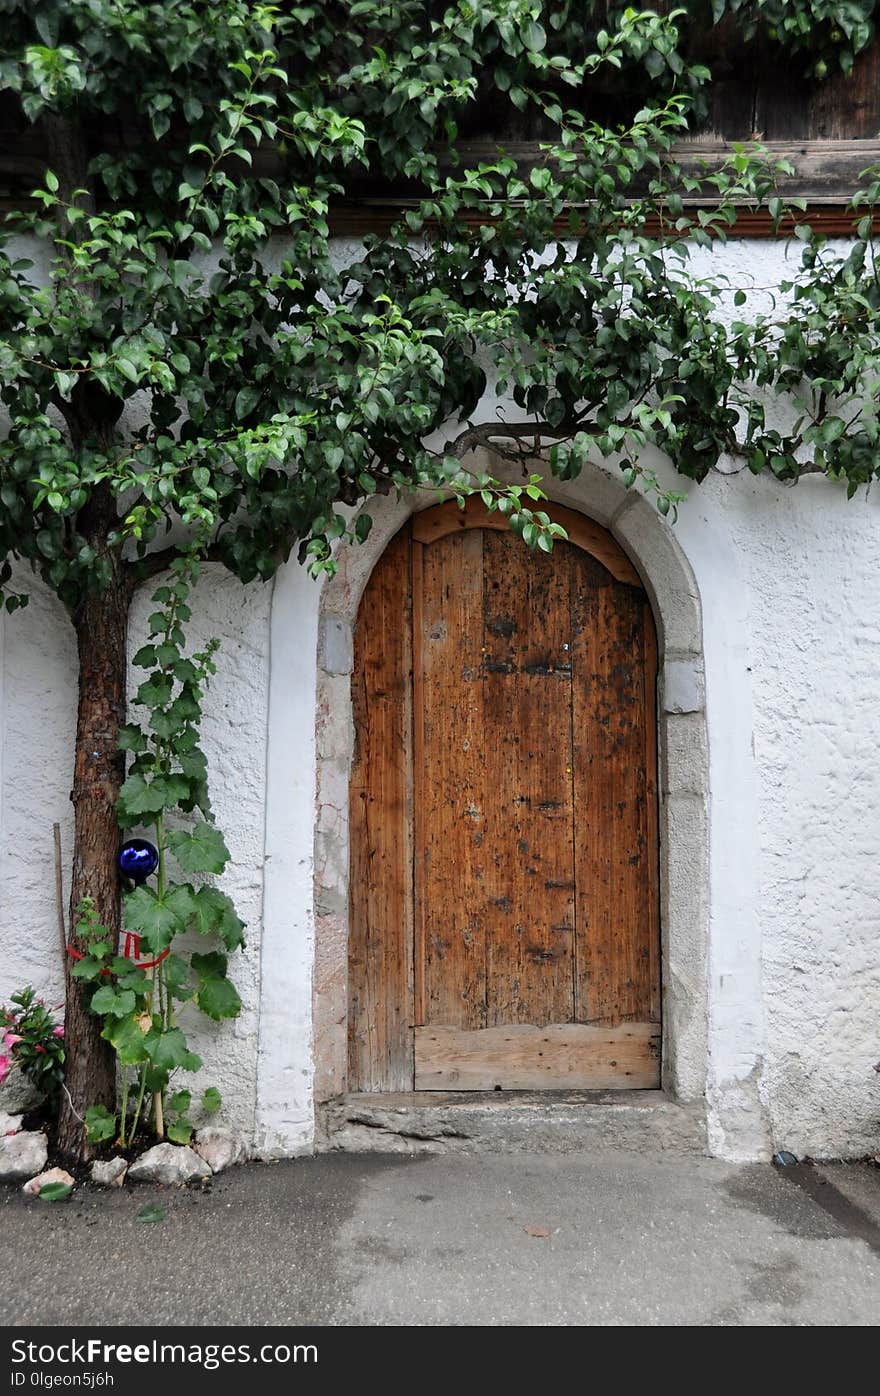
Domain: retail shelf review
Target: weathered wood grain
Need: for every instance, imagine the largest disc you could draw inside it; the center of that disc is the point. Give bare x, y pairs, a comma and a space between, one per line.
614, 678
526, 695
451, 784
380, 940
561, 1056
503, 809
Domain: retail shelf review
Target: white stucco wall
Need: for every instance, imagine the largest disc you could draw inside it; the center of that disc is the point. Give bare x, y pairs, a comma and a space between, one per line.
791, 629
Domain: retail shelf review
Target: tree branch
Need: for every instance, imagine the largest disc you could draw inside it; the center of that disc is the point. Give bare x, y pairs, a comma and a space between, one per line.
143, 569
487, 433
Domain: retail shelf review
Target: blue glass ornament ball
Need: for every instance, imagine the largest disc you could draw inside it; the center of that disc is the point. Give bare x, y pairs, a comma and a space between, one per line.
138, 859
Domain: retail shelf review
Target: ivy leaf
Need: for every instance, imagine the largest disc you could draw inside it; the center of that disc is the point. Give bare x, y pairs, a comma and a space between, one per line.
201, 850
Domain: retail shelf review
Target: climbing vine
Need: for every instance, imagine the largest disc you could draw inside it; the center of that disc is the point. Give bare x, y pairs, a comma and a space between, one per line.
140, 1000
192, 369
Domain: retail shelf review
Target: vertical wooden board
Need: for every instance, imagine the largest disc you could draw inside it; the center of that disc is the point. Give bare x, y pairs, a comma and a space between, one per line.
847, 105
529, 878
615, 864
451, 784
380, 943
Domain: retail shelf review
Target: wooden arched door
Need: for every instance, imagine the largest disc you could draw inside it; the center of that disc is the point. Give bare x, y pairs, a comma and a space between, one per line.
503, 814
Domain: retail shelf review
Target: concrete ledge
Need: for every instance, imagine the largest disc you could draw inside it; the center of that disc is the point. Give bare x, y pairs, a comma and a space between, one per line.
509, 1122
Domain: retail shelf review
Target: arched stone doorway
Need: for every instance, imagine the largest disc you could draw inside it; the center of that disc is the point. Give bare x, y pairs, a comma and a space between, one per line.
653, 549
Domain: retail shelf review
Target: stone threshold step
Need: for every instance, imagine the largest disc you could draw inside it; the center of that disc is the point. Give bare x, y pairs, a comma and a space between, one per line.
511, 1121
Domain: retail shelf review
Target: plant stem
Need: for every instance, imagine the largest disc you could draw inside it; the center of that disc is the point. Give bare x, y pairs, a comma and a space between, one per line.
140, 1101
124, 1112
158, 1110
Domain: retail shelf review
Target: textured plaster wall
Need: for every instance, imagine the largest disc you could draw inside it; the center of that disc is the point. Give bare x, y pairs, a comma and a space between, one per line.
808, 560
791, 637
37, 703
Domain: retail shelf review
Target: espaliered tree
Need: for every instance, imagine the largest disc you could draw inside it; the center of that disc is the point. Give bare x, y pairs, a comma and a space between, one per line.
189, 372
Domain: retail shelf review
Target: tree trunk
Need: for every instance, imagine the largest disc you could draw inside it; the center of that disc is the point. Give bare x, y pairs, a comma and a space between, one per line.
101, 623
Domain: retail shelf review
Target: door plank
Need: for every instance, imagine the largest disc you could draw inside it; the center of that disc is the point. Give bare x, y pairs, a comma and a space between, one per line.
561, 1056
380, 937
526, 689
616, 871
451, 785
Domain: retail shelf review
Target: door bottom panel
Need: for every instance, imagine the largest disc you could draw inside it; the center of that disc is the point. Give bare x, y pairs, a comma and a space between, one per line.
562, 1056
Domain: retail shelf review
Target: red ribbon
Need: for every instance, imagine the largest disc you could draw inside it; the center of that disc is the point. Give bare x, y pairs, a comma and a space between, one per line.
131, 949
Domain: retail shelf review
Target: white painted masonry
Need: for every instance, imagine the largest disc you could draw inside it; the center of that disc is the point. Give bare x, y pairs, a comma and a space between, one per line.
787, 902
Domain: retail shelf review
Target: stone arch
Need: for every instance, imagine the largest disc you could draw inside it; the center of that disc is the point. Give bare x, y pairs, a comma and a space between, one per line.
683, 771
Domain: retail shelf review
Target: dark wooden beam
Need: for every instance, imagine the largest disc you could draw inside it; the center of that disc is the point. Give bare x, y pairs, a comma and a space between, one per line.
825, 172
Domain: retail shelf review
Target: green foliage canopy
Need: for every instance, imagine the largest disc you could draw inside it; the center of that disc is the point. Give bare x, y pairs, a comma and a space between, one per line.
190, 341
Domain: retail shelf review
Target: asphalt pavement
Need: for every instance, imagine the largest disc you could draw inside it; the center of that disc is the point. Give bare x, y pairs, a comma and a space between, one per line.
607, 1239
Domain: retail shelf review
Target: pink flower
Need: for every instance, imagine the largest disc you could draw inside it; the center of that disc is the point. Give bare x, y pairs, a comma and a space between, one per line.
10, 1038
58, 1032
5, 1068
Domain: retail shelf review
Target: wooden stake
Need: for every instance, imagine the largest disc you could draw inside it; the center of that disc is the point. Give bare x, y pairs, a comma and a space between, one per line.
59, 894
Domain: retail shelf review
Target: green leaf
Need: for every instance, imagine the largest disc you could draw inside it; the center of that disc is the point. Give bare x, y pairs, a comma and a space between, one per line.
87, 968
127, 369
216, 995
107, 1000
138, 797
180, 1102
201, 850
127, 1039
218, 998
213, 912
176, 971
211, 1100
100, 1124
168, 1050
151, 1213
158, 918
246, 400
534, 37
54, 1192
131, 738
180, 1131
